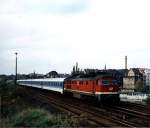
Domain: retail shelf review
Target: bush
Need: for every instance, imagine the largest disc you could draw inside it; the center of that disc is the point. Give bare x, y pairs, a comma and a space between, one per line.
148, 100
41, 118
32, 118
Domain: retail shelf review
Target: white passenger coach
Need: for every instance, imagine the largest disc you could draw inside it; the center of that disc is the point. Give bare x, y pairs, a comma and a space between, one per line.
54, 84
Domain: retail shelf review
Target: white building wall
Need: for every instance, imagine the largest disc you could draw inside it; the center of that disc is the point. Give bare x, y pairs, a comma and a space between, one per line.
131, 73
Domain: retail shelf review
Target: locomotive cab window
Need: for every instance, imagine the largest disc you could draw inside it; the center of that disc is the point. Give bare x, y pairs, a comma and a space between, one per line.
105, 82
114, 82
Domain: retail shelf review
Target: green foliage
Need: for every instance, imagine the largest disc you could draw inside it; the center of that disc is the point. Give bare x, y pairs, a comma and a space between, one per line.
147, 100
41, 118
32, 118
139, 86
11, 100
144, 89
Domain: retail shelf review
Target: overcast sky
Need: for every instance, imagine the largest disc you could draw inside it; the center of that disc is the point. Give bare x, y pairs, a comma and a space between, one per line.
55, 34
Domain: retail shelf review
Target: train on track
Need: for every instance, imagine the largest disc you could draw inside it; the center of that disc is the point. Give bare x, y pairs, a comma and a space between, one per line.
101, 86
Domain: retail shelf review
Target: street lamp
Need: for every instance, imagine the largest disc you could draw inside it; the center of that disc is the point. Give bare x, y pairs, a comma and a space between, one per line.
16, 68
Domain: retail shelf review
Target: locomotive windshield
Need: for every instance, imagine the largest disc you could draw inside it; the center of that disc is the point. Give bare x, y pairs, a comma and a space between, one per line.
114, 82
109, 82
105, 82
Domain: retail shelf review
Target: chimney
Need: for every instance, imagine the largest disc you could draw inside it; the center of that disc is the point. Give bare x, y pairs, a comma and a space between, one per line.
125, 62
105, 67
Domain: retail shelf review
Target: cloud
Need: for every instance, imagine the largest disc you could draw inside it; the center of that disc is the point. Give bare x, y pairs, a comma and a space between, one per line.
54, 34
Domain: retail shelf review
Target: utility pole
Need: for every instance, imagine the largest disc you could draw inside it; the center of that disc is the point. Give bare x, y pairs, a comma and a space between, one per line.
16, 69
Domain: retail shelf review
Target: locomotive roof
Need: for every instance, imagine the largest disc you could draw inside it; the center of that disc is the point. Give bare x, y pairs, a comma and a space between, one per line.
89, 76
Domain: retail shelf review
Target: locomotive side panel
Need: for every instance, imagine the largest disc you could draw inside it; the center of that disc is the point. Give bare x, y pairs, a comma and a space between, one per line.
79, 86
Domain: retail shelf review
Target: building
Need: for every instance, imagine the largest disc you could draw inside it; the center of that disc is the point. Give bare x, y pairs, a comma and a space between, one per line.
147, 77
134, 78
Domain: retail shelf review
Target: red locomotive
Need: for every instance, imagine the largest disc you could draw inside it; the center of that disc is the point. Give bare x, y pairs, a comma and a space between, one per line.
101, 86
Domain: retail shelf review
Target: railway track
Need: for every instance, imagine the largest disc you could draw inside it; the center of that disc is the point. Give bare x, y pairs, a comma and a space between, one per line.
92, 116
137, 107
104, 116
123, 115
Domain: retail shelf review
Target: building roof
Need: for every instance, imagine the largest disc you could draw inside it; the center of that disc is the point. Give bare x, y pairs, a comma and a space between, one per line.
136, 71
